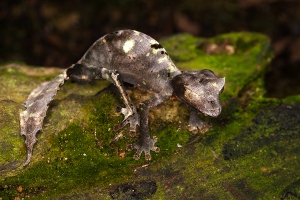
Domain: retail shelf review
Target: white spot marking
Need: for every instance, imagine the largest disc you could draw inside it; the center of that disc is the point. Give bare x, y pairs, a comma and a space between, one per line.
162, 59
171, 68
154, 51
128, 45
215, 85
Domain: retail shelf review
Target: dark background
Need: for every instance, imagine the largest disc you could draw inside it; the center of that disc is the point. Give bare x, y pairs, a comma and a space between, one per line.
57, 33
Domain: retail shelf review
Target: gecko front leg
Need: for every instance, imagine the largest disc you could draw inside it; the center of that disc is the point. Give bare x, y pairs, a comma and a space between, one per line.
196, 124
130, 113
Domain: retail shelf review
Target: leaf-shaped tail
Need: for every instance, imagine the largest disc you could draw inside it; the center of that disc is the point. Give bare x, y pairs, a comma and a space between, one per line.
31, 120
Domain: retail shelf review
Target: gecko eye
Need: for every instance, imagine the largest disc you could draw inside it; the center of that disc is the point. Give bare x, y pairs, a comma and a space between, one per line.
201, 80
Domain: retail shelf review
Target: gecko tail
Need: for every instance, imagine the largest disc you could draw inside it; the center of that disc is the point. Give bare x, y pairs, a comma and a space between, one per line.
31, 119
29, 155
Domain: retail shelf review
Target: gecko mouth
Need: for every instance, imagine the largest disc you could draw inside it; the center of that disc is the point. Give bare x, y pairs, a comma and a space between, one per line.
207, 112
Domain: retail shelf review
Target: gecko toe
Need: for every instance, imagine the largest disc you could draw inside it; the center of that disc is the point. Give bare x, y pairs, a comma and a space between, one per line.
156, 149
133, 120
130, 147
137, 155
147, 155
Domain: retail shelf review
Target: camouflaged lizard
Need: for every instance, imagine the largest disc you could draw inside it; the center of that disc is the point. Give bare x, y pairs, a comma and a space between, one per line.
132, 57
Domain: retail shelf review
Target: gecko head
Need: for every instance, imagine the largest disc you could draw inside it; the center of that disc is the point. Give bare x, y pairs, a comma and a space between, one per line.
200, 90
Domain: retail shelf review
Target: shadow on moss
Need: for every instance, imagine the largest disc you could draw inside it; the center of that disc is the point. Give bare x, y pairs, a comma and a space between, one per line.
273, 125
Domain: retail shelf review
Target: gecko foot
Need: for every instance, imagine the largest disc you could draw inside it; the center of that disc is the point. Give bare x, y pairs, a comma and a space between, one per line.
199, 126
133, 120
144, 144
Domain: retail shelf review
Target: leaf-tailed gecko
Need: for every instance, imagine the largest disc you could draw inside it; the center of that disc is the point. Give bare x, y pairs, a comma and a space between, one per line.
136, 58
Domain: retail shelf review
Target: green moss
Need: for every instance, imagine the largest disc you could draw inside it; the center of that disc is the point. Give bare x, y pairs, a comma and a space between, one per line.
292, 99
181, 47
11, 143
250, 153
73, 161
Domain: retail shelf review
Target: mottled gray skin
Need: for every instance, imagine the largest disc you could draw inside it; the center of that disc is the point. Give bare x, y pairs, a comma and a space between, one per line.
133, 57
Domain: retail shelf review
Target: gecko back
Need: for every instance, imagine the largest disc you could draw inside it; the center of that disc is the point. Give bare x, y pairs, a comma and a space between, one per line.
138, 58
